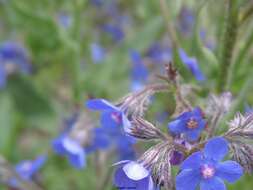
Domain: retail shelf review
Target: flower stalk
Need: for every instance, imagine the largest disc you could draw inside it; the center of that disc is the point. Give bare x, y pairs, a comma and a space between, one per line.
229, 40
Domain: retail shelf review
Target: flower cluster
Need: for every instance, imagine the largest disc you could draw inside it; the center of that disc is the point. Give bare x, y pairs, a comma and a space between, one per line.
188, 143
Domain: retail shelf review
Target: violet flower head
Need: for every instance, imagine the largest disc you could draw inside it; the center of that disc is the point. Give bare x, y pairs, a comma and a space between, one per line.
205, 169
139, 73
112, 116
72, 149
186, 21
189, 123
159, 54
97, 53
192, 64
64, 20
132, 175
27, 169
116, 32
13, 57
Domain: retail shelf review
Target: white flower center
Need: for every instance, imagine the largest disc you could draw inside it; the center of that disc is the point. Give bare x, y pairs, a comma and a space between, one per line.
207, 171
135, 171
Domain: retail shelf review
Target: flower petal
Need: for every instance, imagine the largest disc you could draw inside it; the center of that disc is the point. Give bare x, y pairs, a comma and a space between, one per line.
108, 121
214, 183
216, 148
121, 181
193, 135
187, 179
77, 160
193, 161
100, 104
176, 126
230, 171
57, 145
135, 171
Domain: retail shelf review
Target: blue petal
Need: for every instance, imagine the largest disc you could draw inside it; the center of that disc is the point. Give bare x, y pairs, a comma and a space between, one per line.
2, 75
216, 148
121, 181
193, 134
57, 146
176, 126
214, 183
126, 123
100, 104
188, 179
97, 52
230, 171
37, 164
144, 184
108, 121
77, 160
193, 161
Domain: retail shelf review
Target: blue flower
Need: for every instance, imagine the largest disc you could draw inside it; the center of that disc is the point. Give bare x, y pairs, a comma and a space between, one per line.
97, 52
158, 53
66, 146
27, 169
114, 31
12, 56
189, 123
186, 21
112, 116
192, 65
64, 19
139, 71
113, 136
248, 109
206, 170
132, 175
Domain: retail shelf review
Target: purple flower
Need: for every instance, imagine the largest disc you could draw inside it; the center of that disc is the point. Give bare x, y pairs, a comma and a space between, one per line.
64, 19
27, 169
186, 21
189, 123
192, 65
13, 56
206, 170
66, 146
139, 73
113, 136
112, 116
97, 52
158, 53
114, 31
132, 175
248, 109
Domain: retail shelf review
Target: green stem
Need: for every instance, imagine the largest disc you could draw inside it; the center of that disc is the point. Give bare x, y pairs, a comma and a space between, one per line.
229, 40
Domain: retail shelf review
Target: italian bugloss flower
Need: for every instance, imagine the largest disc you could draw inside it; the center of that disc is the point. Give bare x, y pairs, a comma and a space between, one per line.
139, 71
66, 146
192, 64
190, 124
205, 169
97, 53
111, 115
114, 31
132, 175
27, 169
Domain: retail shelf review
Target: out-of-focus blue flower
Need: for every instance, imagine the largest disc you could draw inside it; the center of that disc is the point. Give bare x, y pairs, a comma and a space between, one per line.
66, 146
64, 20
189, 123
115, 31
27, 169
139, 73
97, 3
159, 54
186, 21
97, 52
192, 65
13, 57
209, 43
206, 170
112, 116
132, 175
113, 137
248, 109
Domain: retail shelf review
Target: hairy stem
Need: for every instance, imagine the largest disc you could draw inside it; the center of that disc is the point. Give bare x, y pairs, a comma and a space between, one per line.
229, 40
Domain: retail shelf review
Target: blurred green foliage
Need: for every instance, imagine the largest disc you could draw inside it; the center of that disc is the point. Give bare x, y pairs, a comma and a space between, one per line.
32, 107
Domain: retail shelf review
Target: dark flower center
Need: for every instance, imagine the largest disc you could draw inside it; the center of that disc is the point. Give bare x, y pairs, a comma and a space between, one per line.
207, 171
192, 123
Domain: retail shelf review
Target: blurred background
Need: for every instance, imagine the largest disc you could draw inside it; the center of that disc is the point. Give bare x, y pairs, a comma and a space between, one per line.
56, 54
